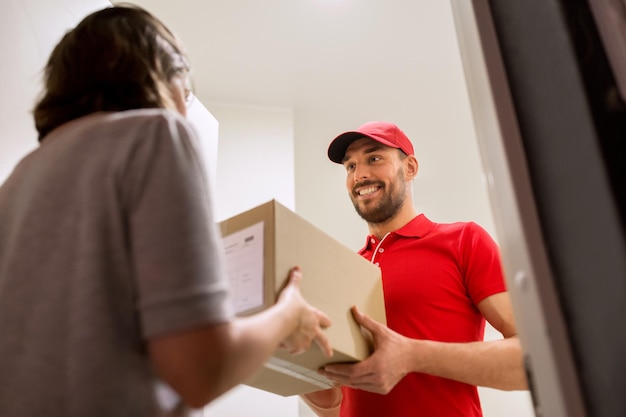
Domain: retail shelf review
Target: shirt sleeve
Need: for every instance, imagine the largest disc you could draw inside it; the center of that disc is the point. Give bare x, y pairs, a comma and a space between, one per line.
481, 263
175, 243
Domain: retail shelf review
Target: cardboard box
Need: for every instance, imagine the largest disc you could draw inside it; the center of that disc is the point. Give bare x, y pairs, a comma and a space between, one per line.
262, 245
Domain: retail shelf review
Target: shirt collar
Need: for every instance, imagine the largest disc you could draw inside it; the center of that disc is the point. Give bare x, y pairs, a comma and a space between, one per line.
419, 227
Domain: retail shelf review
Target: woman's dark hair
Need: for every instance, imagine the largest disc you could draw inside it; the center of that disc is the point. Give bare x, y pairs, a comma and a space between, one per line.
118, 58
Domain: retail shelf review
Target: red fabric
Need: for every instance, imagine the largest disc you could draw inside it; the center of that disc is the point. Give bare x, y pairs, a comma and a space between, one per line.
433, 276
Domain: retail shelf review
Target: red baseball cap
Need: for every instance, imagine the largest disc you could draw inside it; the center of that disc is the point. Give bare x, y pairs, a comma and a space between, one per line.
383, 132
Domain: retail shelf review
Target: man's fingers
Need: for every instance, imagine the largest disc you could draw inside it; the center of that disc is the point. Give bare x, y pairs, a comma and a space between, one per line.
364, 320
339, 371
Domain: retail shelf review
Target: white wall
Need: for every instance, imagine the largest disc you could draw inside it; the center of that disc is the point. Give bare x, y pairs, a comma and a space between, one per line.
256, 157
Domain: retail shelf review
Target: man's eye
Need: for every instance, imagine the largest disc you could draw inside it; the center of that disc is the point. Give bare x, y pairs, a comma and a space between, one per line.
349, 167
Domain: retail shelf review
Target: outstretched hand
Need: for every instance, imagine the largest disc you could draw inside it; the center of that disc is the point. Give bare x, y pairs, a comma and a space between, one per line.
383, 369
311, 321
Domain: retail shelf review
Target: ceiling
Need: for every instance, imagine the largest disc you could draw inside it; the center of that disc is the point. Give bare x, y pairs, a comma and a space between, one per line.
299, 52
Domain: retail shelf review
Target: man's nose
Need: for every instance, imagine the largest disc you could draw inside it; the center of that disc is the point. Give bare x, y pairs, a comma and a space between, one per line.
360, 173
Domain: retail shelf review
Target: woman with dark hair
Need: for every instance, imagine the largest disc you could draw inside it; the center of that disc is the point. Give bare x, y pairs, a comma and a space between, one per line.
113, 295
117, 59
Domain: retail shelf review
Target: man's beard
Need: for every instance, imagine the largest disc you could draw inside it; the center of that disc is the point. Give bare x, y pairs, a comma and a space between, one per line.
388, 207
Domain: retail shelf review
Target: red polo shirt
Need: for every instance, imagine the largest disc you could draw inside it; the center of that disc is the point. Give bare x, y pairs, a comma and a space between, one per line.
433, 276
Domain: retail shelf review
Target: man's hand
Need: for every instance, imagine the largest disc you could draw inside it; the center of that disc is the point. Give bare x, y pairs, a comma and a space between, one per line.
382, 370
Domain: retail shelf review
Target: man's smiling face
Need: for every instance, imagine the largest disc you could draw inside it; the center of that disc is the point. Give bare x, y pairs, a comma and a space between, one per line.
375, 179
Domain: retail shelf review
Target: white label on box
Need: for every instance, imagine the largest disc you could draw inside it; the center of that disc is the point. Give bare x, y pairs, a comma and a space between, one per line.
244, 262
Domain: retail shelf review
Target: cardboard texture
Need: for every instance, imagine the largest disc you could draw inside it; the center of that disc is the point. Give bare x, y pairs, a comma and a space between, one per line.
334, 279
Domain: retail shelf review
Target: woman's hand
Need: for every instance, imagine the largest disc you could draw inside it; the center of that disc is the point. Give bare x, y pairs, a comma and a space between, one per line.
310, 321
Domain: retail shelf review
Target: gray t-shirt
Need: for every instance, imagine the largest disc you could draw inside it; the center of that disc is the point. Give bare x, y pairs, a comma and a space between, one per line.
107, 239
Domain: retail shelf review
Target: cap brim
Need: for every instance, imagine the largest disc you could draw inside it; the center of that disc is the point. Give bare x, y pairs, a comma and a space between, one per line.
339, 145
337, 148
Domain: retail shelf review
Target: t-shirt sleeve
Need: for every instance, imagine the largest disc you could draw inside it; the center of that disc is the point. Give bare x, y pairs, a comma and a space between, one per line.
481, 263
175, 244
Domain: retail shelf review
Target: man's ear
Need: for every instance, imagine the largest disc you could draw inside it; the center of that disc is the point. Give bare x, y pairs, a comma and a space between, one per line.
411, 167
